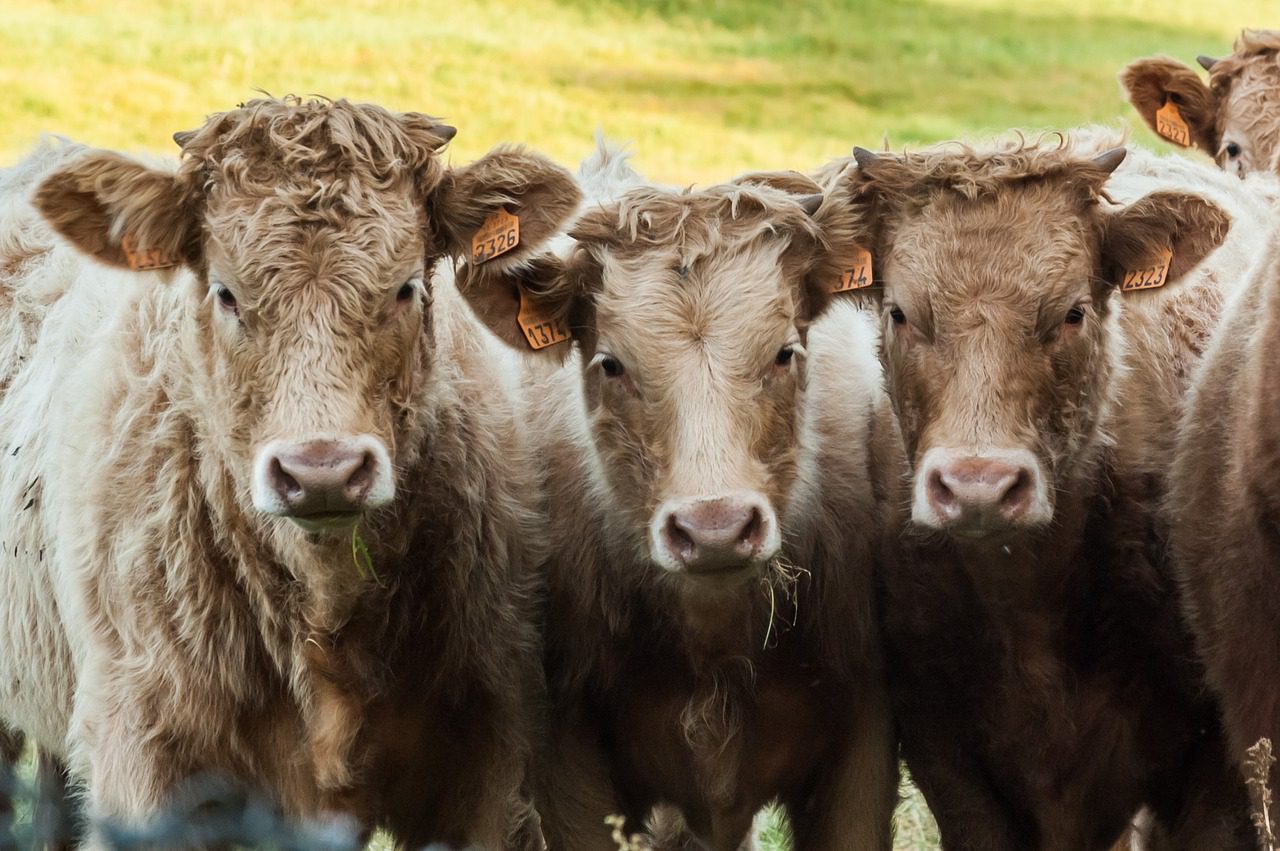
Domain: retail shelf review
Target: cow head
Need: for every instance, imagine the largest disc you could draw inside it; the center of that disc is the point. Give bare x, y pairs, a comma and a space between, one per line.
690, 312
999, 279
1235, 118
305, 234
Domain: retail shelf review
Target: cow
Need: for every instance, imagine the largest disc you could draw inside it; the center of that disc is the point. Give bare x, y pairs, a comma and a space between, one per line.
1235, 118
269, 510
1224, 501
1041, 310
714, 461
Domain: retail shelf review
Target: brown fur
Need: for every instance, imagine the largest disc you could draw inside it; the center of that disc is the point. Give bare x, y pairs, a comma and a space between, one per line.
211, 637
710, 698
1240, 104
1224, 503
1041, 677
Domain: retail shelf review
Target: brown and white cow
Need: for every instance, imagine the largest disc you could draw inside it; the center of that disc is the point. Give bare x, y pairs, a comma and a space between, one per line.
268, 512
1041, 678
1235, 118
714, 469
1225, 502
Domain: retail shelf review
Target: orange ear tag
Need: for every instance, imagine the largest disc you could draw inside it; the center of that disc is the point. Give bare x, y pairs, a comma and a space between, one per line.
539, 329
1150, 278
1171, 125
499, 234
144, 259
858, 277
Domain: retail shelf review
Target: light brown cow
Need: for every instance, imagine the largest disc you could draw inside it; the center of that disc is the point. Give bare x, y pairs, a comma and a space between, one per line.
1041, 677
1235, 118
714, 470
1225, 503
267, 509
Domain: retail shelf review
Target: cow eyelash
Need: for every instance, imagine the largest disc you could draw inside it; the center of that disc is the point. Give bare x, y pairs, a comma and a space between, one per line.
609, 365
786, 354
407, 289
226, 298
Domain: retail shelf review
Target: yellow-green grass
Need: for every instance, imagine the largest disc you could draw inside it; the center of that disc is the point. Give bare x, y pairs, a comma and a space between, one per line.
704, 89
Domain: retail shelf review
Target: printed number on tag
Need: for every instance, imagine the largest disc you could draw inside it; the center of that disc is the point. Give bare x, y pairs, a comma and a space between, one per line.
144, 259
1149, 278
1171, 125
499, 234
858, 276
539, 329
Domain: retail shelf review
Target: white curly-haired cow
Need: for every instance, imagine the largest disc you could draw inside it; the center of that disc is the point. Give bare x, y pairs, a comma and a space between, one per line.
265, 512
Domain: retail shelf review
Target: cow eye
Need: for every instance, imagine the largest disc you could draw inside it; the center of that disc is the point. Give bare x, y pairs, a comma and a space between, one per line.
226, 298
898, 317
1074, 316
405, 292
785, 355
1233, 150
612, 367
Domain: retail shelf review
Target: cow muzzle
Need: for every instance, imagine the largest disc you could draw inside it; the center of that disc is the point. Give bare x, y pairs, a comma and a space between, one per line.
323, 485
976, 494
715, 537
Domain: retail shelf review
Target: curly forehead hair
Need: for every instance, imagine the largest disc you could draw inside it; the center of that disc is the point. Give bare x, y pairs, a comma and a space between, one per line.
1251, 46
959, 169
318, 152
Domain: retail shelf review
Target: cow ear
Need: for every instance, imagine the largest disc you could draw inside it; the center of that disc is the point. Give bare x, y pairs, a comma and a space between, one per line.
1160, 83
121, 212
848, 217
1159, 238
501, 208
530, 307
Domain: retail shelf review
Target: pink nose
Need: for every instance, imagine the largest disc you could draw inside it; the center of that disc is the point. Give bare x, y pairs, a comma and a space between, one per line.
981, 493
706, 535
322, 476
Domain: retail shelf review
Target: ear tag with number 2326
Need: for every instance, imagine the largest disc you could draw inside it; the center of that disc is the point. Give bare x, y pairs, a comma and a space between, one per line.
499, 234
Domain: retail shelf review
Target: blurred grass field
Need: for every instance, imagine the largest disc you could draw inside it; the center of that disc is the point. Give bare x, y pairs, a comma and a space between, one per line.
703, 90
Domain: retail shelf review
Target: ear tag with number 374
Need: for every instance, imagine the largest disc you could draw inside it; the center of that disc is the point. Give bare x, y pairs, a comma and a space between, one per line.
499, 234
858, 276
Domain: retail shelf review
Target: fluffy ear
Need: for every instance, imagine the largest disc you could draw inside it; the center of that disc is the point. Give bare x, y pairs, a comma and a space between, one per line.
528, 186
1151, 83
529, 307
1182, 229
851, 221
121, 212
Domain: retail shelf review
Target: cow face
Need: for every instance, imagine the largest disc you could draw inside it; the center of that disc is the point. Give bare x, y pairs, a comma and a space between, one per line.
690, 312
999, 280
1235, 118
310, 231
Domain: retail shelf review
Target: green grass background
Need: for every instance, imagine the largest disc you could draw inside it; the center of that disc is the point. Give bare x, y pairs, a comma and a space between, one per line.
703, 90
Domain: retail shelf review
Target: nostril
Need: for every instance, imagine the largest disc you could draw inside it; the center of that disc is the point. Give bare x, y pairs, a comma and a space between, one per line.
679, 541
753, 532
1019, 492
362, 479
285, 485
940, 494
